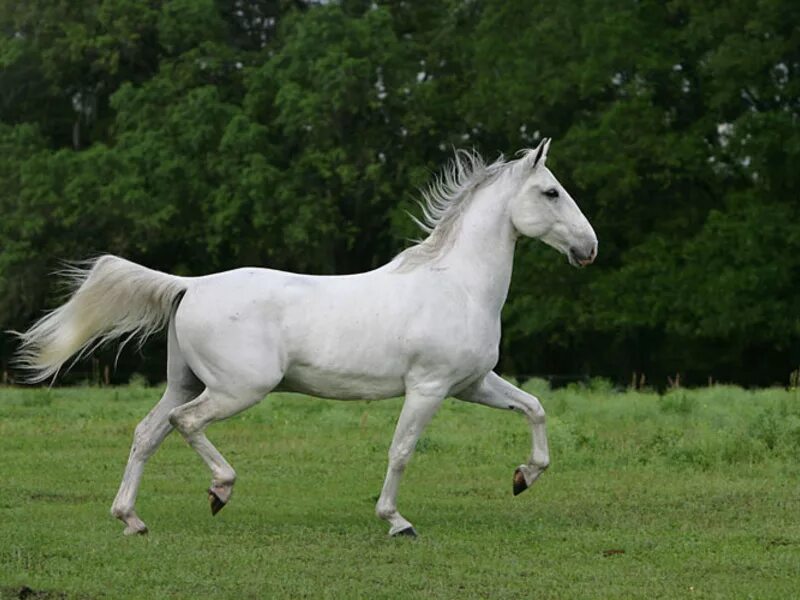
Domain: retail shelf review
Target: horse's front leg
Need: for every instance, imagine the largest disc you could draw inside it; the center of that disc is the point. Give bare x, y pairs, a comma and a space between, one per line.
418, 409
496, 392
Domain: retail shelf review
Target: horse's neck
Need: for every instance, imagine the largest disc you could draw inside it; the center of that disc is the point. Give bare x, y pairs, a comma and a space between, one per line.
482, 253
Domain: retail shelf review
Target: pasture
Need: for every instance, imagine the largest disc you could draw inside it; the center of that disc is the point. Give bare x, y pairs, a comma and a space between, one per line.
692, 494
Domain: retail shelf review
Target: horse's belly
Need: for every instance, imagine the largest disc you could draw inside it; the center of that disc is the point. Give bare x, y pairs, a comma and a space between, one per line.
342, 384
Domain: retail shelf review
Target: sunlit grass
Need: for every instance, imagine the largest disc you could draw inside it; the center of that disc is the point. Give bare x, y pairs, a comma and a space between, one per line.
693, 493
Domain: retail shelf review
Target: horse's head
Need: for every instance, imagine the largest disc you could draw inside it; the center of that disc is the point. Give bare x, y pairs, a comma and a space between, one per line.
543, 209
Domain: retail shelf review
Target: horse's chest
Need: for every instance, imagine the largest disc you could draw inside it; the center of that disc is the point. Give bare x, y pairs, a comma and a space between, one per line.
481, 349
469, 342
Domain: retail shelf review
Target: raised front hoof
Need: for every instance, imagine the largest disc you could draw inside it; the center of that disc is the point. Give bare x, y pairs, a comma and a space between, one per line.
217, 504
407, 532
520, 485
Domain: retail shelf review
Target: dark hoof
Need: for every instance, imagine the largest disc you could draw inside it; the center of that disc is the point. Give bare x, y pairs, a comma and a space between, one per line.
216, 504
519, 483
407, 532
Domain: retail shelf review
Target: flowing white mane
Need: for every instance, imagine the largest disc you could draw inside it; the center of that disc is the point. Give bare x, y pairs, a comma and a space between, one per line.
445, 200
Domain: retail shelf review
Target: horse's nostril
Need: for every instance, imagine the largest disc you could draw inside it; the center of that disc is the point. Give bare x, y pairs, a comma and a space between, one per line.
582, 257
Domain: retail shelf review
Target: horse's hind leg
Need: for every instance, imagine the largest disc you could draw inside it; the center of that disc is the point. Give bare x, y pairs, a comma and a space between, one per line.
192, 418
182, 386
149, 434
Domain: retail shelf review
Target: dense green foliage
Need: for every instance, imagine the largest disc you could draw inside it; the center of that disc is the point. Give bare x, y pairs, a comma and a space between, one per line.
690, 494
199, 135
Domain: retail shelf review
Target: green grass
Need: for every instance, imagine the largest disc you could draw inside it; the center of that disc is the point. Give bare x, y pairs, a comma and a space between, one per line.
699, 491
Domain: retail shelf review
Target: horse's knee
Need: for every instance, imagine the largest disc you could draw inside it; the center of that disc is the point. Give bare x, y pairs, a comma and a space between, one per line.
401, 450
535, 412
399, 457
145, 440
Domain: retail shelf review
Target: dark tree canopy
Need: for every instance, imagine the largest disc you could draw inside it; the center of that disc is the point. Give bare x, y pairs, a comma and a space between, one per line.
199, 135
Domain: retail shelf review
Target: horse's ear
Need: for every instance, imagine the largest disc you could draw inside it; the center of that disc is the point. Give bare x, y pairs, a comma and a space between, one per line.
537, 156
541, 153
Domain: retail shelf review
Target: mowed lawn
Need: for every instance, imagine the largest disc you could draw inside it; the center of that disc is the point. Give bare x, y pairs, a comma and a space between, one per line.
694, 494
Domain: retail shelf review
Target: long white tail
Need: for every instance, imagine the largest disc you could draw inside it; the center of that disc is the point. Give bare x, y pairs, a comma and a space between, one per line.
112, 297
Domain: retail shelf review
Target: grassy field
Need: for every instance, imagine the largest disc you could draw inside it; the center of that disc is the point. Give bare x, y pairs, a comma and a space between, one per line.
693, 494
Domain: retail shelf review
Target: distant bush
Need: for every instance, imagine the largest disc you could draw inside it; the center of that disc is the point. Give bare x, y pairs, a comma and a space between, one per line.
601, 385
678, 402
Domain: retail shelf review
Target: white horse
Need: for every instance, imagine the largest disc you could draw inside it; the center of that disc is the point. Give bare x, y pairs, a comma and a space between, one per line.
426, 325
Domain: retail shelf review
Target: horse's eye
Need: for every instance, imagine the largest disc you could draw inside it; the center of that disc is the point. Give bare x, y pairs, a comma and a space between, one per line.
552, 193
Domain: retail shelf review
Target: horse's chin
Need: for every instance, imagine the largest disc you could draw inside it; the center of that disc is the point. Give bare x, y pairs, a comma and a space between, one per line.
572, 261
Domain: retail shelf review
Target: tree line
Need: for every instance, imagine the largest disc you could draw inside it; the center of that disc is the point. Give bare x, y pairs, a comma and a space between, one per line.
199, 135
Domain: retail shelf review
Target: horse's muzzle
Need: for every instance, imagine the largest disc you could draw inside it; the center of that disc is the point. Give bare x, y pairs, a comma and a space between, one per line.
583, 256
